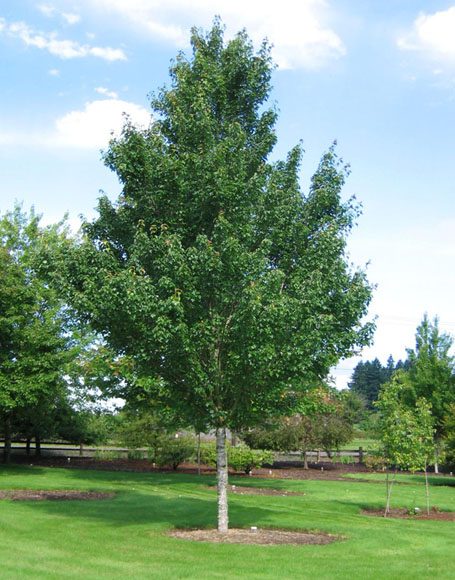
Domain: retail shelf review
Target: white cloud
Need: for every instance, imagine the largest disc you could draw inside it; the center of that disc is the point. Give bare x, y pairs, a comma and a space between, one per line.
87, 128
298, 30
432, 34
47, 10
92, 127
106, 92
54, 72
65, 49
71, 18
51, 11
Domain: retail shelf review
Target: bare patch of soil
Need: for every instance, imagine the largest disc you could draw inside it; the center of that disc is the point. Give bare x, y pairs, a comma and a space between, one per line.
58, 495
260, 536
404, 514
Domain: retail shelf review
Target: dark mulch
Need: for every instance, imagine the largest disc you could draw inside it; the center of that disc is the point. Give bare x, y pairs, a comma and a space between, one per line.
59, 495
317, 471
255, 536
402, 513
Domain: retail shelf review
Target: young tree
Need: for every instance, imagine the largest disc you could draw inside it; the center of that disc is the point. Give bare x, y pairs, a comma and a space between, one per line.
406, 432
431, 375
227, 288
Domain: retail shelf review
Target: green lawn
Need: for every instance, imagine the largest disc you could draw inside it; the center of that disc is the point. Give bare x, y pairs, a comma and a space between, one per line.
125, 537
366, 444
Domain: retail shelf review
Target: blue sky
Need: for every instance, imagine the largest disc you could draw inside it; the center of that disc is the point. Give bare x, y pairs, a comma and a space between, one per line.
379, 77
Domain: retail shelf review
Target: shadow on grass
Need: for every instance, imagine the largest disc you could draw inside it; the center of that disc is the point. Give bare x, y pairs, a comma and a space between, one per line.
12, 469
161, 500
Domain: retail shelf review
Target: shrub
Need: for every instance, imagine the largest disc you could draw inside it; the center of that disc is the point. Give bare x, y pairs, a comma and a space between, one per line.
107, 455
174, 451
374, 461
240, 458
134, 454
208, 453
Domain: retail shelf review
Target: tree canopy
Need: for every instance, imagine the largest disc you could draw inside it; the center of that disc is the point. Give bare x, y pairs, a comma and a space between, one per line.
35, 348
227, 287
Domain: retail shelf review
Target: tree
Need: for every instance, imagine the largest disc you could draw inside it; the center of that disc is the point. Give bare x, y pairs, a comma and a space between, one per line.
368, 377
406, 432
35, 348
431, 375
228, 289
325, 421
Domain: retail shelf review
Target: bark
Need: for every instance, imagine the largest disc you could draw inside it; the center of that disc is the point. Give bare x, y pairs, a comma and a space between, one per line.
199, 454
7, 444
305, 460
222, 480
436, 457
427, 491
389, 484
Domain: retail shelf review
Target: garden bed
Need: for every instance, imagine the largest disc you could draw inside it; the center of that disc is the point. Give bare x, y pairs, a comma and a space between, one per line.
255, 536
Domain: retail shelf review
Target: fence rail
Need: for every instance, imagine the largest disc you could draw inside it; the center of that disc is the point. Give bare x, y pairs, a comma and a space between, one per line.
52, 449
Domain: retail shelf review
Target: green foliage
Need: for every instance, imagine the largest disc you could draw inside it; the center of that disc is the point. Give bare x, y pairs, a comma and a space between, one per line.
406, 433
172, 451
327, 424
134, 454
108, 455
368, 377
224, 285
431, 373
449, 429
375, 461
242, 458
208, 453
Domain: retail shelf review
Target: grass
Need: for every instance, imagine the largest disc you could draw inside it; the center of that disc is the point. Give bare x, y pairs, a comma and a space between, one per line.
126, 536
366, 444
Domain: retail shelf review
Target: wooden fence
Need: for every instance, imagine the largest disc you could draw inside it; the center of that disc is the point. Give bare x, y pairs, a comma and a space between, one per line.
52, 449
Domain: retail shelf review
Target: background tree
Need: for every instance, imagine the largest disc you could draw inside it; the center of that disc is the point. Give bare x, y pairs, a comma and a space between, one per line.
368, 377
227, 287
35, 348
325, 421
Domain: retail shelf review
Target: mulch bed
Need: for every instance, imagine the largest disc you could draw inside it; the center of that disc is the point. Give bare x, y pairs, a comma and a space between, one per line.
324, 471
405, 515
57, 495
260, 536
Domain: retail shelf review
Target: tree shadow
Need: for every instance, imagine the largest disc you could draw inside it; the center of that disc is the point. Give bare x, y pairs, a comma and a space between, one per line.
161, 500
12, 469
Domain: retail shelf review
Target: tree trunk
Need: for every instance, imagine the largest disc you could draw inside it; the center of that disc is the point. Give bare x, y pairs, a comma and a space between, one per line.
37, 446
436, 457
7, 444
389, 484
199, 453
427, 491
305, 460
27, 446
222, 479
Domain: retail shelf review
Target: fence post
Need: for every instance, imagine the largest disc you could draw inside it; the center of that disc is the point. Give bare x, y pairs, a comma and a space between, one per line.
360, 454
81, 449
